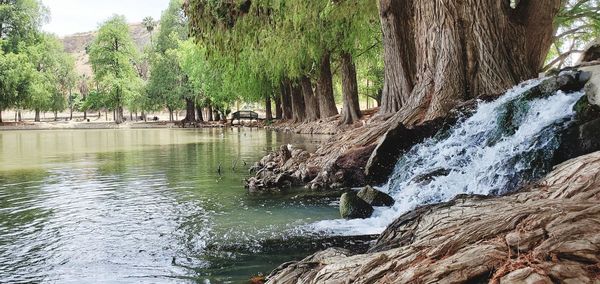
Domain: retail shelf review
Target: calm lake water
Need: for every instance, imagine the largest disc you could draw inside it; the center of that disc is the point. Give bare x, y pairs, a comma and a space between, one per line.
122, 206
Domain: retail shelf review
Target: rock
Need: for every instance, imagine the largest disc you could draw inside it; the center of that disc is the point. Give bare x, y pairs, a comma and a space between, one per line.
375, 197
592, 88
547, 233
428, 177
394, 143
352, 207
592, 52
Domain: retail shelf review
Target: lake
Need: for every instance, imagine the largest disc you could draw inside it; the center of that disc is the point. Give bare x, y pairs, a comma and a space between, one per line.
122, 206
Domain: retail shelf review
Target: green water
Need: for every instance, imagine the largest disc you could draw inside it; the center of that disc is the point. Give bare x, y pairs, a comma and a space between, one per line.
123, 206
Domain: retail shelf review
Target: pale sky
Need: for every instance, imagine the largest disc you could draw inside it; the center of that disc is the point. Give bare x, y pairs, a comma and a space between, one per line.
74, 16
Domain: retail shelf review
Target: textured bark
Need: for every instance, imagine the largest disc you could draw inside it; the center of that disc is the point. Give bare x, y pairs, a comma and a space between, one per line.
439, 53
547, 233
210, 113
268, 108
327, 107
351, 111
286, 100
190, 110
310, 100
278, 107
298, 106
199, 116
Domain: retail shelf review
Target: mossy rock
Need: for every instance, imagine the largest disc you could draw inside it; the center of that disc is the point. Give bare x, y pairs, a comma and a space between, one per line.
375, 197
353, 207
585, 111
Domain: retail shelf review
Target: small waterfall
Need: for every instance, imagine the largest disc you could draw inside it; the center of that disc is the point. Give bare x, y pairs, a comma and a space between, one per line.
503, 145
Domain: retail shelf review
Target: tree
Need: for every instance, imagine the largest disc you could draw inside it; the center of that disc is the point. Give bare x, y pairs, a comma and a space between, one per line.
15, 78
20, 20
439, 53
112, 55
578, 23
53, 77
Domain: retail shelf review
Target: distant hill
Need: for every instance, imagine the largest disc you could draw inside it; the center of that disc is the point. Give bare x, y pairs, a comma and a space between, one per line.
76, 45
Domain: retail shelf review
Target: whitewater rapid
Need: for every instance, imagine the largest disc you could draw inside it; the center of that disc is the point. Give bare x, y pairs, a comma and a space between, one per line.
479, 155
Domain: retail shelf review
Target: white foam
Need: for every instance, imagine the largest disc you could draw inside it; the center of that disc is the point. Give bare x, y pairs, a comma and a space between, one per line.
479, 161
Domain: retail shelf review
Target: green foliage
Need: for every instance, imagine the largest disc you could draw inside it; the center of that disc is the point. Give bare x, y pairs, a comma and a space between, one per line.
578, 23
256, 44
169, 84
113, 56
20, 21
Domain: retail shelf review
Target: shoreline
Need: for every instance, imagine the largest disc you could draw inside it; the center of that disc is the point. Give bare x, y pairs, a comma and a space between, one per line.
61, 125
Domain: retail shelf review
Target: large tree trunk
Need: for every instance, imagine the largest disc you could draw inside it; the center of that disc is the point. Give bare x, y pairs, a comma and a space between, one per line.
37, 115
268, 108
310, 100
298, 106
439, 53
278, 108
210, 113
199, 116
327, 107
190, 110
351, 111
286, 100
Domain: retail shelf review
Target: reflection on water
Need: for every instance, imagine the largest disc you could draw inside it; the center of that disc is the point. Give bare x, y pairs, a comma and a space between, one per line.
140, 205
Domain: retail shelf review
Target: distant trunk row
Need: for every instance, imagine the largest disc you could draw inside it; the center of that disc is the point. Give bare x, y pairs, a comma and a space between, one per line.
306, 100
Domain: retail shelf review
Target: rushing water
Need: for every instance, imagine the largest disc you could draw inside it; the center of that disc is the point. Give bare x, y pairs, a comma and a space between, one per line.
504, 144
87, 206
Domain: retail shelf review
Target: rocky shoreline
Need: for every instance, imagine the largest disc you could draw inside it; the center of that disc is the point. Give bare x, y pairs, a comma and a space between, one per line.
547, 233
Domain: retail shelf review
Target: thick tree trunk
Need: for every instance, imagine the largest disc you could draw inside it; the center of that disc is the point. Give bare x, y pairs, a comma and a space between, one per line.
37, 115
268, 108
190, 110
210, 113
327, 107
351, 111
199, 116
119, 115
286, 100
439, 53
310, 100
298, 106
278, 108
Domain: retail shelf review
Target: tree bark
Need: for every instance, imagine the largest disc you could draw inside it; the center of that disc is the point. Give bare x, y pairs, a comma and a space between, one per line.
268, 108
210, 113
0, 116
278, 108
327, 107
351, 111
37, 115
310, 100
298, 106
286, 100
199, 116
440, 53
190, 110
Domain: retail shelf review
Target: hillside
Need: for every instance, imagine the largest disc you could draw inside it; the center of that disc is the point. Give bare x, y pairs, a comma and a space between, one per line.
76, 45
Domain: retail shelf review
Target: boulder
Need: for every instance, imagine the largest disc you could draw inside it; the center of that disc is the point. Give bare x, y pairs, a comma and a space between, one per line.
352, 207
396, 141
375, 197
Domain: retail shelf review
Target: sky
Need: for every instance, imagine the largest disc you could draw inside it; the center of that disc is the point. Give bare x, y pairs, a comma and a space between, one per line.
74, 16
